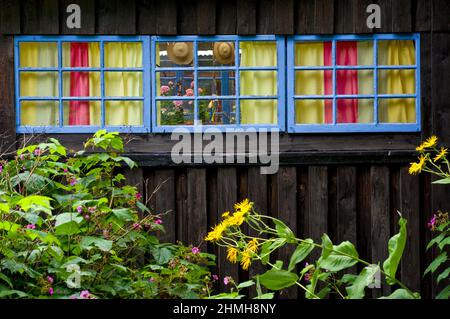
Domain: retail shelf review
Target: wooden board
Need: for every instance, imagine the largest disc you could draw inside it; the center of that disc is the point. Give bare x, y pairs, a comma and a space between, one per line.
206, 17
164, 181
166, 19
146, 17
226, 17
7, 102
246, 17
40, 16
9, 17
116, 17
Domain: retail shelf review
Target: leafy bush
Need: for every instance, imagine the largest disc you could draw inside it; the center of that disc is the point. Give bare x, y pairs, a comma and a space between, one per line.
69, 228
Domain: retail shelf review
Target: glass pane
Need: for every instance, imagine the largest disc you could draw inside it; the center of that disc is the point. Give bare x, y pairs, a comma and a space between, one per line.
38, 55
354, 53
124, 113
313, 82
257, 53
263, 83
82, 113
123, 84
354, 82
123, 55
259, 111
312, 53
39, 84
39, 113
217, 112
216, 54
313, 111
216, 83
81, 54
396, 82
396, 52
177, 83
354, 111
174, 54
397, 110
175, 112
81, 84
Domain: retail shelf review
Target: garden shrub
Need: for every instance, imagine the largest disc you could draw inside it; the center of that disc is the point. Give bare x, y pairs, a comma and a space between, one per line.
69, 228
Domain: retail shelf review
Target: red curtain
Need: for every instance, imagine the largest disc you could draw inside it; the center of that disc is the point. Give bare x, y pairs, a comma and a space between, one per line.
347, 82
79, 84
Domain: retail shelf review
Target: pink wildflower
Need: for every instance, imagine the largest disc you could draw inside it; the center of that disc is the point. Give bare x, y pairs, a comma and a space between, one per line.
1, 169
85, 294
73, 181
215, 277
227, 280
432, 222
195, 250
87, 217
50, 279
138, 196
158, 221
80, 209
136, 226
37, 152
50, 291
30, 226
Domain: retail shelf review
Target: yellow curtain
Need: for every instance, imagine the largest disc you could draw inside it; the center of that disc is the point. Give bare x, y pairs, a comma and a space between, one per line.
398, 52
365, 82
258, 83
309, 83
121, 84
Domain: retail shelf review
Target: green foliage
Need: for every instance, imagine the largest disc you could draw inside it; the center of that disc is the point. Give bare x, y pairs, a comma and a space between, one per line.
396, 247
65, 217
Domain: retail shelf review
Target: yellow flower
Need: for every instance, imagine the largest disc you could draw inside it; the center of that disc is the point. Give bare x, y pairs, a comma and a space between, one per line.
416, 168
232, 254
216, 233
244, 207
420, 148
226, 214
441, 154
430, 142
253, 245
236, 220
246, 260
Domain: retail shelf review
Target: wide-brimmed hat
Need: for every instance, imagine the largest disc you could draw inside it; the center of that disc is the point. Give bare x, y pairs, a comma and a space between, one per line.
180, 52
224, 52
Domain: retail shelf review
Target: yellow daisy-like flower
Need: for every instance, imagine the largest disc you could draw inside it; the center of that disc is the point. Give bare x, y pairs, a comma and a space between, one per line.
441, 154
236, 220
226, 215
253, 245
216, 233
420, 148
416, 168
246, 260
430, 142
245, 206
232, 254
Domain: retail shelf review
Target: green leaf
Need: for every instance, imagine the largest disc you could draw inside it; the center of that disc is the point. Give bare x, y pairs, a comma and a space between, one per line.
327, 246
400, 294
443, 243
37, 202
246, 284
444, 294
277, 279
284, 231
124, 214
6, 293
6, 279
162, 255
443, 275
100, 243
435, 240
67, 223
365, 278
301, 252
270, 246
396, 246
4, 207
442, 181
439, 260
268, 295
341, 257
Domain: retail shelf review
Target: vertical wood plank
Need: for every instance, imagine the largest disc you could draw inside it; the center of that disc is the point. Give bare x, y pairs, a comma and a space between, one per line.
187, 17
181, 205
246, 17
9, 17
284, 17
7, 102
425, 84
324, 16
402, 16
146, 17
304, 17
344, 16
386, 15
361, 16
166, 19
265, 11
196, 207
226, 17
87, 17
380, 230
116, 17
40, 16
441, 15
423, 14
164, 179
206, 17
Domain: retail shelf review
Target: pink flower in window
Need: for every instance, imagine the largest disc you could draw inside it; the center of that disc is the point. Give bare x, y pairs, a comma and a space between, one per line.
178, 103
164, 89
189, 92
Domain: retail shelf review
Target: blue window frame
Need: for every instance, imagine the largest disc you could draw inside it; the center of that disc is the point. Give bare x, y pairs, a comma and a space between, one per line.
220, 106
59, 71
300, 98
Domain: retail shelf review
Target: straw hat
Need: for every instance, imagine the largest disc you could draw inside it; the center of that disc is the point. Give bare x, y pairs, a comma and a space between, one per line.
224, 52
180, 52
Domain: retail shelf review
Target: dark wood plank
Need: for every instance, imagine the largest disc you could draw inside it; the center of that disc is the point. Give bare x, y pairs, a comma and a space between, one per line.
361, 16
181, 203
304, 16
423, 13
386, 15
324, 16
344, 16
7, 102
425, 84
265, 20
9, 17
40, 16
187, 17
166, 19
196, 207
410, 209
116, 17
284, 17
402, 16
135, 177
206, 17
87, 17
246, 17
380, 215
146, 16
226, 17
164, 180
441, 15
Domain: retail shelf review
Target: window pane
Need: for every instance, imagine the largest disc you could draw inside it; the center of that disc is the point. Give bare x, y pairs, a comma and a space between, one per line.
262, 83
216, 54
39, 113
396, 82
123, 55
259, 111
354, 53
81, 84
397, 110
82, 113
175, 83
217, 112
176, 112
354, 82
354, 111
124, 113
81, 54
123, 84
39, 84
311, 53
312, 82
256, 53
174, 54
38, 54
396, 52
216, 83
312, 111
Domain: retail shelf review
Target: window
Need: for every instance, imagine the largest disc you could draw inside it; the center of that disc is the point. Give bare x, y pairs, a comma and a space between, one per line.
81, 84
218, 82
353, 83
